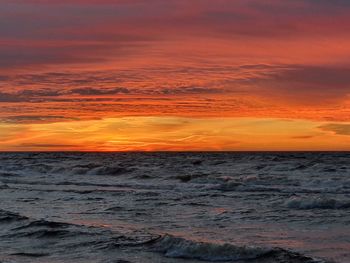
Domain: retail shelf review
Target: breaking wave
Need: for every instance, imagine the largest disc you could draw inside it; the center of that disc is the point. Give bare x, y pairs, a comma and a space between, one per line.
177, 247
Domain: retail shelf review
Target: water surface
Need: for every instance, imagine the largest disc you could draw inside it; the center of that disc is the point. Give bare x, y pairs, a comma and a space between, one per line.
175, 207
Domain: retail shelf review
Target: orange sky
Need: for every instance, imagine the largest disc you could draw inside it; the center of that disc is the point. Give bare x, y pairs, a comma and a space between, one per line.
116, 75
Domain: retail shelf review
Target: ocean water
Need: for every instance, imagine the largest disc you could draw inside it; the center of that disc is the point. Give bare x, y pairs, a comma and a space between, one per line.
175, 207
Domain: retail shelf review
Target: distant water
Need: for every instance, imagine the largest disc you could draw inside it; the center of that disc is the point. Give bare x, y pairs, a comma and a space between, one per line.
175, 207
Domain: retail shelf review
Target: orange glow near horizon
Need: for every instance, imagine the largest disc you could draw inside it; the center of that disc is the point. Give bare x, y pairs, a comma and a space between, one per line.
174, 75
176, 134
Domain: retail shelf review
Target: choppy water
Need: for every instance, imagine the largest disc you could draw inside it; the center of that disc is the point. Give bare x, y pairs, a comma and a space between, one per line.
175, 207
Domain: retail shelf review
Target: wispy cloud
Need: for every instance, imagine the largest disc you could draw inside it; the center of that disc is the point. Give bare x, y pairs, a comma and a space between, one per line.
93, 59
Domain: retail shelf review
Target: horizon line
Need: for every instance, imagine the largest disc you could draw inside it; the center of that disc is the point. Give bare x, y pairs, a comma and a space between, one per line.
191, 151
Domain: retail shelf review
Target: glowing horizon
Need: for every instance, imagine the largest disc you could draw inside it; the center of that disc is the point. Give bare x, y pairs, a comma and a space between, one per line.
174, 75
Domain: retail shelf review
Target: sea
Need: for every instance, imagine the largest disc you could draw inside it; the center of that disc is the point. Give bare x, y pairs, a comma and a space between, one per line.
167, 207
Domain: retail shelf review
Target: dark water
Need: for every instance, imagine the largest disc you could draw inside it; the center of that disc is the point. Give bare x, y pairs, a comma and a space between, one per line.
175, 207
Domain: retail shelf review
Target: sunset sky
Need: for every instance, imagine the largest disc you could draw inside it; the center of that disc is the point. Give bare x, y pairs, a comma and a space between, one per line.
120, 75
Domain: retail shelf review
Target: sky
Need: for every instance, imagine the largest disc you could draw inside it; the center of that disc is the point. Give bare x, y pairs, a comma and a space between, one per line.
155, 75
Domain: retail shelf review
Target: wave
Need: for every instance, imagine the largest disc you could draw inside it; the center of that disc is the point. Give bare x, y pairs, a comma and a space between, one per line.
280, 184
177, 247
7, 174
69, 235
92, 169
43, 229
68, 169
110, 170
7, 217
30, 255
317, 203
55, 237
